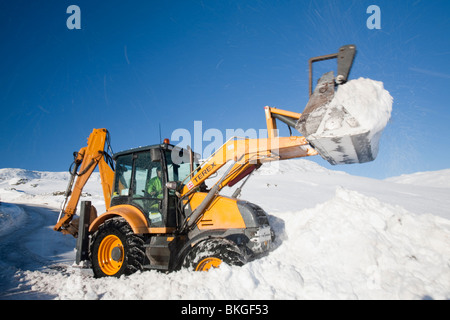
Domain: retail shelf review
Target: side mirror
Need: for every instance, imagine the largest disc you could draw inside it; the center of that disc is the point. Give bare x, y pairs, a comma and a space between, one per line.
176, 186
171, 185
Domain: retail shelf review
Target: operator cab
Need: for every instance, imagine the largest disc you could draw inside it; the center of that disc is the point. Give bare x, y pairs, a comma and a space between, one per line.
140, 180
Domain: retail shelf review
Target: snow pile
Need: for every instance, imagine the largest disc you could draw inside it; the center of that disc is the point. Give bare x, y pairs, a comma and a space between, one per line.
349, 127
370, 250
366, 101
338, 236
351, 247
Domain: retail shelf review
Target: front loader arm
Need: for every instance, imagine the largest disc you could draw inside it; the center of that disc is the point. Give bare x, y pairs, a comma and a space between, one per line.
86, 160
246, 155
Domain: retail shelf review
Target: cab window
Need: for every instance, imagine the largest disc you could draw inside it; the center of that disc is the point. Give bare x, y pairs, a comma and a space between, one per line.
123, 173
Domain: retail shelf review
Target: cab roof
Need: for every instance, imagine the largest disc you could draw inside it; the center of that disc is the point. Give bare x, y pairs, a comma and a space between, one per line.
163, 146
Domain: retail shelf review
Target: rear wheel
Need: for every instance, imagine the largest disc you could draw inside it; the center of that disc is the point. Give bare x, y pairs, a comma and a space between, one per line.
211, 253
116, 250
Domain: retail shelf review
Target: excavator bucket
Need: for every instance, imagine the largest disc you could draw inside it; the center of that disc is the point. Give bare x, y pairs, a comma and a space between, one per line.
344, 120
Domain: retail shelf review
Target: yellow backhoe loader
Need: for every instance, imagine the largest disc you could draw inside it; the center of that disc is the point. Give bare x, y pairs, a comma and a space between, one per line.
160, 214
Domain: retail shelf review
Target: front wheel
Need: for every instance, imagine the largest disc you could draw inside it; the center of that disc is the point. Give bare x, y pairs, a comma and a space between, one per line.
116, 250
211, 253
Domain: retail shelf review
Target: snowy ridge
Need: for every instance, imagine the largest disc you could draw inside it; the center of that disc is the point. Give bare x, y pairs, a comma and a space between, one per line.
438, 179
293, 166
40, 187
14, 173
337, 237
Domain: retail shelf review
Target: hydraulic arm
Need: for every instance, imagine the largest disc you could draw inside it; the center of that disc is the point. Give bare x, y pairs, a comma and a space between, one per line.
86, 160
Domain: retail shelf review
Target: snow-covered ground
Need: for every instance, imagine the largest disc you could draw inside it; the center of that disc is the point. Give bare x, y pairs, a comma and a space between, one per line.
338, 237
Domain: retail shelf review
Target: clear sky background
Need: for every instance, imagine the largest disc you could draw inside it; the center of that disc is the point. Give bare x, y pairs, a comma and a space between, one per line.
137, 64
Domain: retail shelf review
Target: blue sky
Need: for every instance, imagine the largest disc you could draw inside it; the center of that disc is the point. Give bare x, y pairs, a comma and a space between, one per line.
135, 65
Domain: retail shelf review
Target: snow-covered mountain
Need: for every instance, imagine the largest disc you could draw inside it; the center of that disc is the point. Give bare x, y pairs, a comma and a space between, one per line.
338, 237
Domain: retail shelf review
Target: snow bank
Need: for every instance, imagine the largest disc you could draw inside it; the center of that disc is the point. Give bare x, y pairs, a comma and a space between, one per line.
338, 237
366, 249
350, 247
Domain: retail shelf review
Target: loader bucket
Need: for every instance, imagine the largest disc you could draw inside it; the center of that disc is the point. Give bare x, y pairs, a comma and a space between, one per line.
344, 126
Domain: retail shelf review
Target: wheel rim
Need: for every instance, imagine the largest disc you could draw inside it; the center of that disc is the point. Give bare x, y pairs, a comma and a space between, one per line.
109, 262
208, 263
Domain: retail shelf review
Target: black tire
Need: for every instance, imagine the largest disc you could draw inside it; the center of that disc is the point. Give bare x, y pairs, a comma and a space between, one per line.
207, 254
125, 261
